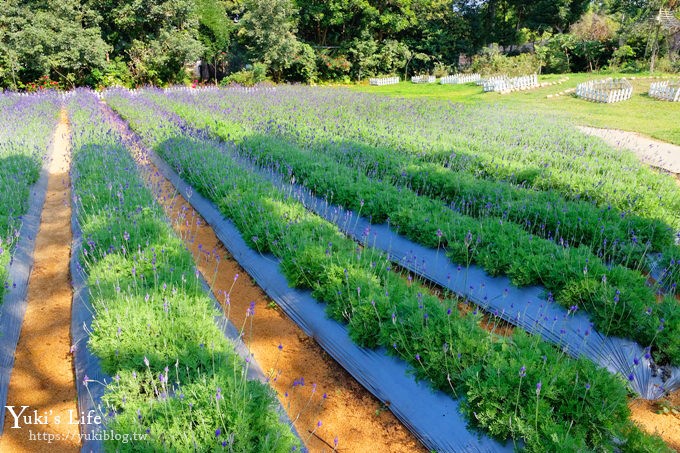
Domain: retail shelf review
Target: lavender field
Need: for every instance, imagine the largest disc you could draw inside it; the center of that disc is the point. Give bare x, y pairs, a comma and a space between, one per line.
520, 268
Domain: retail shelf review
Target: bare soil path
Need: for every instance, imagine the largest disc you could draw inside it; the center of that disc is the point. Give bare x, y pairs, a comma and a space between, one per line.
43, 378
310, 385
649, 415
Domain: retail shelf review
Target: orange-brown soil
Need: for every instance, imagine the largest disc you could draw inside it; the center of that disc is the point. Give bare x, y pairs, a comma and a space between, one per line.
43, 377
651, 418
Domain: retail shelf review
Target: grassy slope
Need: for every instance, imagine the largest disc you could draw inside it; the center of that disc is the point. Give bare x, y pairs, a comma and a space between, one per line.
658, 119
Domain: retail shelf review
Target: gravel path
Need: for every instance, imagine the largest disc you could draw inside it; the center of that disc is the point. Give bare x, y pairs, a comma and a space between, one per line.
652, 152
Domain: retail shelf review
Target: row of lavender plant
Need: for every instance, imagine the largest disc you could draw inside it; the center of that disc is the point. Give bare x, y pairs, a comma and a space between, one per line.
27, 125
517, 387
614, 235
488, 141
618, 300
177, 383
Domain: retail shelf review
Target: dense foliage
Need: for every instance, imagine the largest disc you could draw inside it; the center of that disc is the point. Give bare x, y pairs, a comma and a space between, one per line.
109, 42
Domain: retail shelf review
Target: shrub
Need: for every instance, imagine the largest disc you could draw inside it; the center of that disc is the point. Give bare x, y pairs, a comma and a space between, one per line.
492, 61
303, 67
251, 75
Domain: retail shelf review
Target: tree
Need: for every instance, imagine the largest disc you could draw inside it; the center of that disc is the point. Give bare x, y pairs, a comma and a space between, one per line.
393, 57
268, 30
215, 31
594, 32
445, 31
363, 54
547, 15
59, 40
155, 37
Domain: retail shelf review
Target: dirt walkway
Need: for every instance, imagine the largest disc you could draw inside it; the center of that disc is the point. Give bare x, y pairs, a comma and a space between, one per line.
42, 378
650, 416
652, 152
310, 385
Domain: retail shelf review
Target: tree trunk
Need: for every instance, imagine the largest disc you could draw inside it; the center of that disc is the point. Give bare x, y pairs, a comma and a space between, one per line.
655, 49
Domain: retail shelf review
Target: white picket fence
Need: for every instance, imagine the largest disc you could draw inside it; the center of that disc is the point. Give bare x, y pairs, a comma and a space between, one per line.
491, 79
379, 81
504, 84
459, 78
605, 90
667, 90
423, 79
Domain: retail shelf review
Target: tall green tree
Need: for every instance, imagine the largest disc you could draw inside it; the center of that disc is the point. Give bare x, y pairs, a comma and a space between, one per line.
60, 40
549, 15
446, 29
155, 37
268, 30
215, 29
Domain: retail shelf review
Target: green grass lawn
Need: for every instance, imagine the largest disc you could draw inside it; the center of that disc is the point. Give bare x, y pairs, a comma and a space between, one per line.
658, 119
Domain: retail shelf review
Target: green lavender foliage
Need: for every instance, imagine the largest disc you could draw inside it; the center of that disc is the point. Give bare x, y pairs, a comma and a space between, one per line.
176, 378
578, 407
